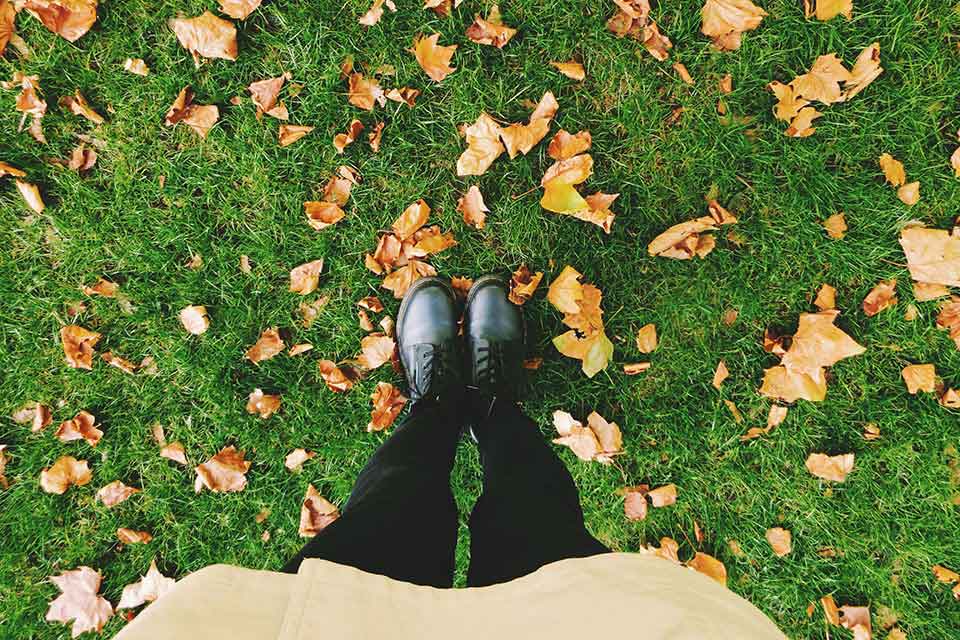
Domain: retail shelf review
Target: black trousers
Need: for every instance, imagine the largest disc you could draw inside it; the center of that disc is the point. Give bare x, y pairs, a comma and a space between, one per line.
401, 519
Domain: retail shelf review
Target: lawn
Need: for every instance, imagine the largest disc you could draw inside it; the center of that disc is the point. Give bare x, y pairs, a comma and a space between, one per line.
159, 195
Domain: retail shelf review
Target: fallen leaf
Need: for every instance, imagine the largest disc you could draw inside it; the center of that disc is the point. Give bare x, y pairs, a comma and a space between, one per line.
564, 146
297, 349
267, 346
411, 220
305, 278
801, 127
883, 296
371, 303
79, 601
780, 541
647, 338
406, 95
31, 195
309, 311
909, 193
523, 284
933, 255
942, 574
681, 70
491, 31
719, 375
316, 514
776, 416
560, 194
709, 566
337, 189
174, 451
826, 298
737, 416
920, 377
364, 92
955, 162
206, 36
836, 226
338, 379
865, 70
224, 472
77, 105
200, 118
725, 20
34, 413
827, 9
65, 472
599, 440
69, 19
375, 12
656, 44
78, 346
8, 170
321, 215
400, 280
521, 138
833, 468
871, 432
264, 94
132, 536
388, 402
822, 82
925, 291
194, 319
433, 58
375, 136
152, 586
667, 551
461, 287
566, 291
635, 502
262, 403
82, 159
238, 9
114, 493
295, 459
635, 368
120, 363
472, 207
725, 86
857, 619
290, 133
483, 147
892, 170
136, 66
687, 239
573, 70
663, 496
376, 350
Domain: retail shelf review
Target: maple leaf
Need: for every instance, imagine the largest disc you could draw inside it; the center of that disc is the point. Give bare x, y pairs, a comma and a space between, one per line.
779, 539
822, 82
373, 15
267, 346
883, 296
818, 343
920, 377
433, 58
491, 31
400, 280
833, 468
200, 118
472, 207
65, 472
406, 95
262, 403
667, 551
523, 284
365, 92
521, 138
224, 472
828, 9
69, 19
388, 402
559, 194
150, 587
725, 20
206, 36
8, 14
342, 140
564, 146
264, 94
338, 379
573, 70
238, 9
114, 493
79, 601
598, 441
305, 278
174, 451
376, 350
337, 189
371, 303
290, 133
720, 375
316, 513
933, 255
78, 346
865, 70
826, 298
295, 459
685, 240
194, 319
483, 147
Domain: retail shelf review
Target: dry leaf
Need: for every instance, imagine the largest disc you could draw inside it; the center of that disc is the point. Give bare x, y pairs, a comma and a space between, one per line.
375, 12
433, 58
304, 279
882, 296
410, 221
152, 586
667, 551
316, 514
69, 19
371, 303
31, 195
663, 496
719, 375
376, 350
78, 344
635, 502
174, 451
909, 193
115, 493
955, 161
38, 415
826, 298
833, 468
400, 280
725, 85
338, 379
920, 377
200, 118
132, 536
871, 432
77, 105
780, 541
388, 402
262, 403
725, 20
737, 416
647, 338
836, 226
801, 125
365, 92
194, 319
309, 312
573, 70
264, 94
295, 459
321, 215
206, 36
136, 66
297, 349
560, 194
566, 291
776, 416
933, 255
82, 159
892, 170
472, 207
827, 9
224, 472
238, 9
564, 146
925, 291
683, 73
267, 346
65, 472
523, 284
290, 133
406, 95
635, 368
491, 31
79, 601
865, 70
709, 566
8, 170
599, 440
685, 240
120, 363
375, 136
483, 147
822, 82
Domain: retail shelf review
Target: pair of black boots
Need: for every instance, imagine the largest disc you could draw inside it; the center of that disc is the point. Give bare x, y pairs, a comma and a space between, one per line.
488, 363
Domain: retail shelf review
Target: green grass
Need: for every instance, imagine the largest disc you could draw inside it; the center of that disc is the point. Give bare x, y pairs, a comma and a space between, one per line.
237, 193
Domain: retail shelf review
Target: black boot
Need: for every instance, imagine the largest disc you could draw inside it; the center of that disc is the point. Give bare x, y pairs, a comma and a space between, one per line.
495, 338
427, 340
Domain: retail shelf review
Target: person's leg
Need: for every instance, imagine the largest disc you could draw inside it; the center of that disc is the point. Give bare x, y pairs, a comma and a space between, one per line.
401, 520
529, 513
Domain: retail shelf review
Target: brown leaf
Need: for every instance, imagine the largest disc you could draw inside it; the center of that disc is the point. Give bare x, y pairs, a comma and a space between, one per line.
8, 13
882, 296
685, 240
388, 402
267, 346
663, 496
871, 432
114, 493
942, 574
206, 36
297, 349
374, 137
725, 86
461, 286
38, 415
78, 346
822, 82
599, 440
151, 587
79, 601
262, 403
371, 303
865, 70
892, 170
709, 566
955, 162
725, 20
491, 31
909, 193
321, 215
667, 551
573, 70
174, 451
290, 133
523, 284
483, 147
406, 95
933, 255
827, 9
82, 159
31, 195
338, 379
376, 350
433, 58
309, 312
780, 541
836, 226
120, 363
316, 514
566, 291
472, 207
136, 66
647, 338
656, 44
295, 459
737, 416
69, 19
373, 15
720, 374
681, 70
564, 146
304, 279
776, 416
857, 619
77, 105
264, 94
833, 468
635, 502
65, 472
9, 170
200, 118
925, 291
224, 472
194, 319
920, 377
400, 280
635, 368
818, 343
238, 9
801, 127
365, 92
132, 536
826, 298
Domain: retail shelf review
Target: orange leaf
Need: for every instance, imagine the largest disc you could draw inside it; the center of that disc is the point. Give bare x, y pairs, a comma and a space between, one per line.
412, 218
65, 472
725, 20
933, 255
836, 226
566, 291
483, 147
31, 195
909, 194
523, 284
194, 319
376, 350
720, 374
290, 133
262, 403
472, 207
883, 296
826, 298
115, 493
833, 468
224, 472
564, 146
779, 539
663, 496
338, 379
78, 346
79, 601
709, 566
304, 279
267, 346
491, 31
149, 588
200, 118
132, 536
388, 402
373, 15
69, 19
206, 36
365, 92
400, 280
239, 9
647, 338
316, 513
892, 170
433, 58
920, 377
321, 215
573, 70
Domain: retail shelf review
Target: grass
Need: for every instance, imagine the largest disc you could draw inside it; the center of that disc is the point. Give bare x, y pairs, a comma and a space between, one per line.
237, 193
